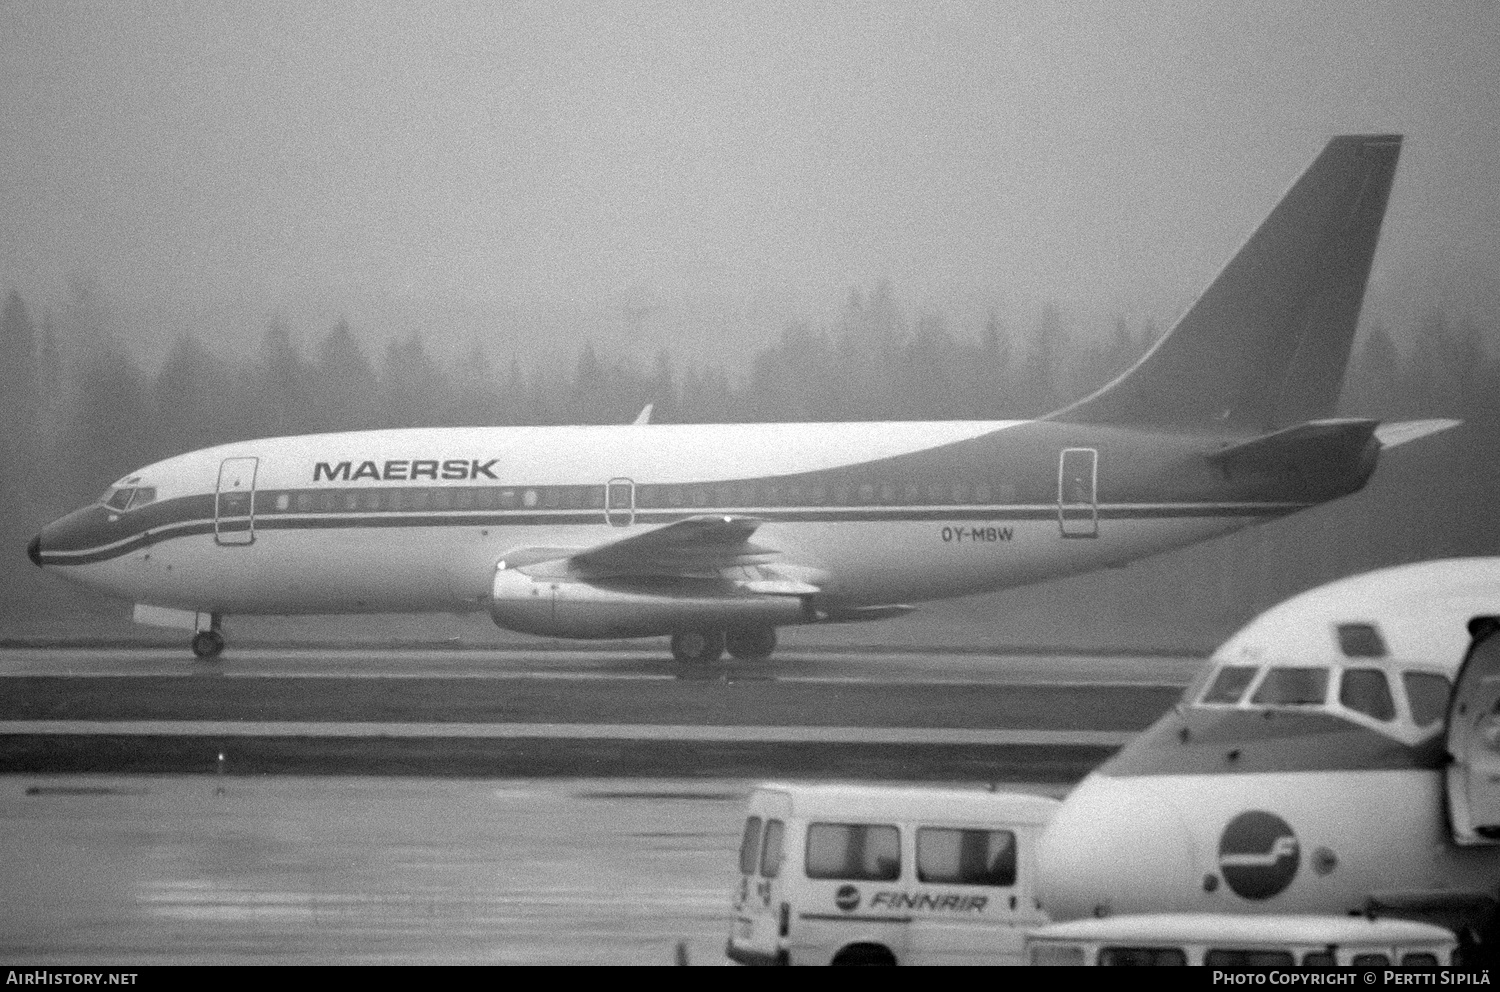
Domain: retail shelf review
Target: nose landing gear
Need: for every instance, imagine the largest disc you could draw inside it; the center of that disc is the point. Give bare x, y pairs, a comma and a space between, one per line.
209, 644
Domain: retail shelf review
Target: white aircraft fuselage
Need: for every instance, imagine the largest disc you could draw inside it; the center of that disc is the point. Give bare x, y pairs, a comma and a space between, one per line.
862, 513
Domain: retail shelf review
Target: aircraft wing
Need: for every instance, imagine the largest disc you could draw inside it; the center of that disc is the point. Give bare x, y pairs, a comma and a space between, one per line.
715, 546
703, 545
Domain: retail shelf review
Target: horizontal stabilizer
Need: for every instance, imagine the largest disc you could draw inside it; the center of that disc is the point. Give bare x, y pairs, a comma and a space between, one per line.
1295, 447
1401, 431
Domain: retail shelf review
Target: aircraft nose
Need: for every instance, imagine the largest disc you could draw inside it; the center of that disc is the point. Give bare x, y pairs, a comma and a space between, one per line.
1114, 847
34, 551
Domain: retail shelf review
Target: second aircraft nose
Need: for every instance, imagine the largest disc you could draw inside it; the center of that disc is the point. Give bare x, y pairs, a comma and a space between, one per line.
1116, 846
34, 551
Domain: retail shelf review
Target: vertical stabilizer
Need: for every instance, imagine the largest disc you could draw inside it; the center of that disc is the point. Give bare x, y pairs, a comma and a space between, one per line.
1266, 345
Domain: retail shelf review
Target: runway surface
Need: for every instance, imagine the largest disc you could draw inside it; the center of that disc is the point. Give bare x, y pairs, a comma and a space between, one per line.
436, 712
463, 806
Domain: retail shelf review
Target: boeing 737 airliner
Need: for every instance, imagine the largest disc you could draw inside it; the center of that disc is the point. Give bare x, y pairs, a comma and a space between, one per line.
719, 534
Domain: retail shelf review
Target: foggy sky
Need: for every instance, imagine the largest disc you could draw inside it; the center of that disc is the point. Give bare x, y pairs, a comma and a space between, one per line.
699, 173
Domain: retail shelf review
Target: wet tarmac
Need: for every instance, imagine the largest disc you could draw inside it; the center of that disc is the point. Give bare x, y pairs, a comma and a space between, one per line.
370, 806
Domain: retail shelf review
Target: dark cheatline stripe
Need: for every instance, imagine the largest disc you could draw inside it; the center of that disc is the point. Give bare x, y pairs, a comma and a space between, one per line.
1240, 742
154, 531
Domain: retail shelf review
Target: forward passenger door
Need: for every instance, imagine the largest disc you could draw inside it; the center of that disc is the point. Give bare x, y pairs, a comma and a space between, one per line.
1473, 731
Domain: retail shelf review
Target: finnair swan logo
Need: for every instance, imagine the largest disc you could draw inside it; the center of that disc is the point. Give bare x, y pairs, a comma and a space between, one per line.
1259, 854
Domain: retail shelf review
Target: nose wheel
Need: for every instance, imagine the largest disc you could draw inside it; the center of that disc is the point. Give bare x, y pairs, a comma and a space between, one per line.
208, 644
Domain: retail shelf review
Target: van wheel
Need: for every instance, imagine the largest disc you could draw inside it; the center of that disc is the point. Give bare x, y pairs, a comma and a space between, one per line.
865, 954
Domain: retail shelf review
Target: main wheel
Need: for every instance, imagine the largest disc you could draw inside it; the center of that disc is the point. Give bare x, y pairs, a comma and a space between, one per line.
700, 646
750, 643
208, 644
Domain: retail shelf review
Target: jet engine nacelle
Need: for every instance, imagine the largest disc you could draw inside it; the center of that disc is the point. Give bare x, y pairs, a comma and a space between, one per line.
555, 607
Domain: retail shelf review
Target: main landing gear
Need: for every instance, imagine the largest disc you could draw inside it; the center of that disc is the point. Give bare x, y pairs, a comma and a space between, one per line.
209, 644
705, 646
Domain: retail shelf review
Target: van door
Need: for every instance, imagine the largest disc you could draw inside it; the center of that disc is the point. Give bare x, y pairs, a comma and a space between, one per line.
1473, 731
234, 501
755, 935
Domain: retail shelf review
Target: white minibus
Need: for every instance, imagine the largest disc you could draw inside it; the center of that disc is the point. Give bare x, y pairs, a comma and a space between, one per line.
841, 874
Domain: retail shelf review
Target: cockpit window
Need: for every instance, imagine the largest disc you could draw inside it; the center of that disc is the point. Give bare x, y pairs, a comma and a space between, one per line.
1288, 686
1365, 690
1361, 640
1230, 684
1427, 692
128, 497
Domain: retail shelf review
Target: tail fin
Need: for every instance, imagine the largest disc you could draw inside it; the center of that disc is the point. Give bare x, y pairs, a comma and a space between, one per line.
1265, 346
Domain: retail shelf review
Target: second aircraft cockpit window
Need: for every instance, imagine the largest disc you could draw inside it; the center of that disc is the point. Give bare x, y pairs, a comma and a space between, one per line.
1410, 706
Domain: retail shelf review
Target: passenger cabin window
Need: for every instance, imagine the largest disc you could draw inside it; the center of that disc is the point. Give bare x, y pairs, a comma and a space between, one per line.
1293, 686
1427, 692
1365, 690
966, 857
771, 849
856, 852
749, 845
1141, 956
1230, 684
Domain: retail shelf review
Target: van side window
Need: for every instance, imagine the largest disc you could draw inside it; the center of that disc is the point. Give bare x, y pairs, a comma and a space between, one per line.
1365, 690
966, 857
749, 844
1230, 684
854, 851
1141, 956
770, 849
1427, 692
1237, 958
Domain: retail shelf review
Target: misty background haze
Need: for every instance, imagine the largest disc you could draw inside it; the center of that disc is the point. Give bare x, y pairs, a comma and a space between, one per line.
229, 221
